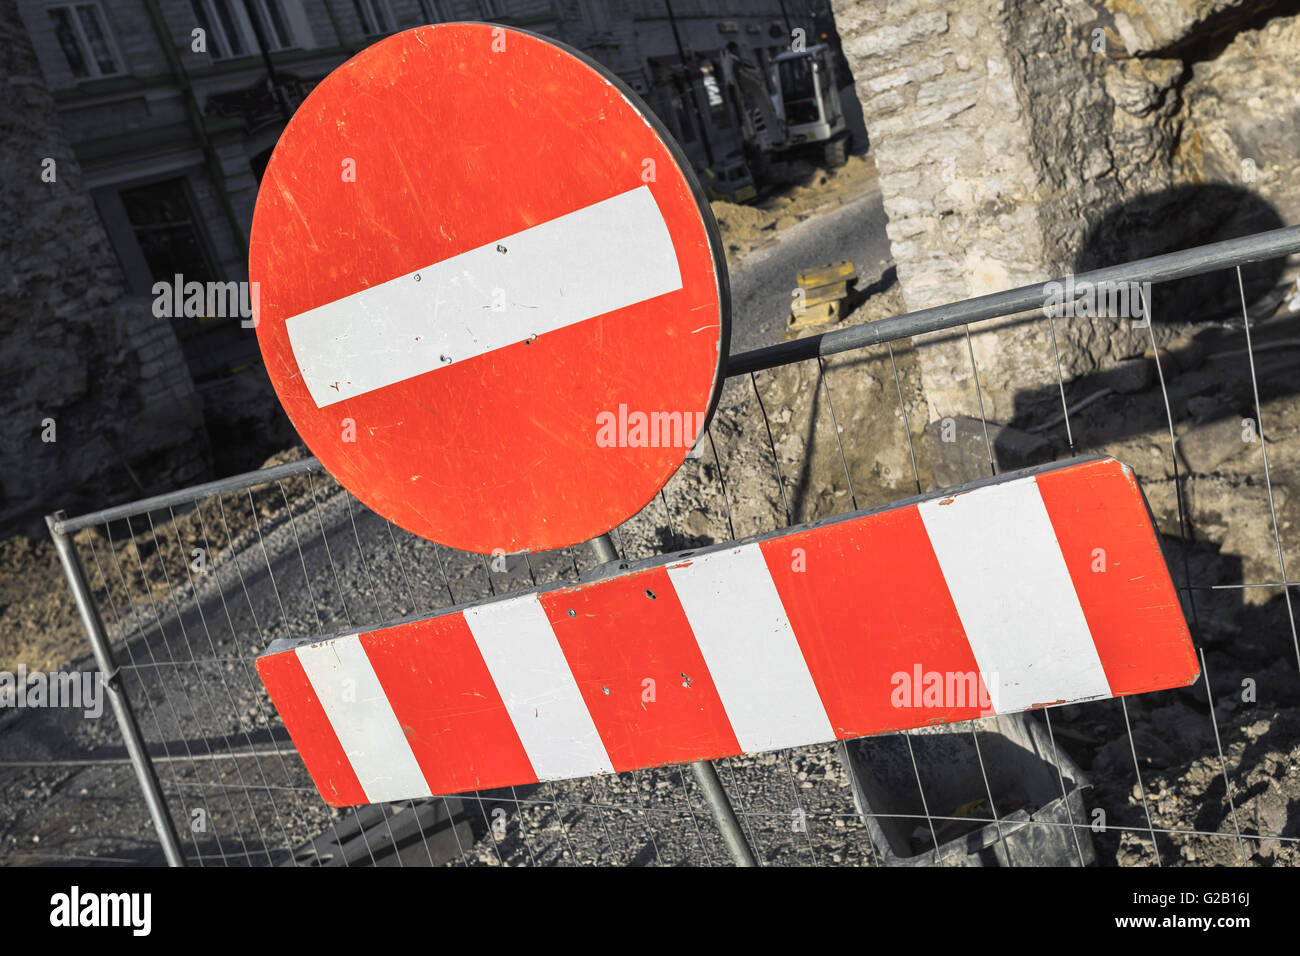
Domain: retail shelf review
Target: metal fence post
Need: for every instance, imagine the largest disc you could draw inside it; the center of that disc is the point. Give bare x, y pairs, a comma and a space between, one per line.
111, 681
715, 795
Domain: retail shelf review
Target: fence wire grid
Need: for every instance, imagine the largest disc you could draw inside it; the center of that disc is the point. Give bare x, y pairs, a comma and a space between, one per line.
190, 592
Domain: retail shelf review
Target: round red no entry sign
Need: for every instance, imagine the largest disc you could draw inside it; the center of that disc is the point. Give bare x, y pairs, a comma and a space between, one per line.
492, 296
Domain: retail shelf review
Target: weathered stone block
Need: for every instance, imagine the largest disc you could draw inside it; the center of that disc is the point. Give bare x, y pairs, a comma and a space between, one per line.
884, 39
1206, 447
959, 451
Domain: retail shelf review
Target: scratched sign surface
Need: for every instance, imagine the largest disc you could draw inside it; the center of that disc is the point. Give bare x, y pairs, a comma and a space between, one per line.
1032, 589
492, 300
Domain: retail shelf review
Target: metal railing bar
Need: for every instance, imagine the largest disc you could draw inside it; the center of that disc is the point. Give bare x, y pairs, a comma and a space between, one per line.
186, 496
150, 786
149, 706
1172, 265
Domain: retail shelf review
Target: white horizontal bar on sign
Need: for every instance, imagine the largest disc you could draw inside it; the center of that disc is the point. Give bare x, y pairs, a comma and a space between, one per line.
1013, 592
600, 258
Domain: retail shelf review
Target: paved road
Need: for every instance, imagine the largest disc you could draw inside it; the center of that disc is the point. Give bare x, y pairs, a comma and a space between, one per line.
762, 281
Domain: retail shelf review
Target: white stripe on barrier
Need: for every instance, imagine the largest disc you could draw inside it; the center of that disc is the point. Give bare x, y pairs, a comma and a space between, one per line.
552, 275
1013, 593
359, 711
745, 637
538, 689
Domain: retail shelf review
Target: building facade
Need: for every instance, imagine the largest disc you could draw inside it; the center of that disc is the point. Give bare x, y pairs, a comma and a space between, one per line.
173, 106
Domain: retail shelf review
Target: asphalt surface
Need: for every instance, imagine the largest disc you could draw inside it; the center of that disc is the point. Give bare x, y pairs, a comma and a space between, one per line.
761, 282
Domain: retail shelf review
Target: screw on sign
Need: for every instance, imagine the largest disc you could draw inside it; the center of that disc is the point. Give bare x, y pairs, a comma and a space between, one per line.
476, 249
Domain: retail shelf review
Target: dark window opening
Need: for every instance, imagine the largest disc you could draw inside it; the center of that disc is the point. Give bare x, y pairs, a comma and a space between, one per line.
683, 113
83, 38
374, 17
172, 240
799, 90
167, 231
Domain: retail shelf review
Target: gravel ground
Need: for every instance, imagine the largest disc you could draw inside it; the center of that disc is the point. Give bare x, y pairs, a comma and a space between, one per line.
325, 566
303, 558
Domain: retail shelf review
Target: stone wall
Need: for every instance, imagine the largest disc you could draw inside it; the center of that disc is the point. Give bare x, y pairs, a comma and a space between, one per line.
73, 351
1022, 140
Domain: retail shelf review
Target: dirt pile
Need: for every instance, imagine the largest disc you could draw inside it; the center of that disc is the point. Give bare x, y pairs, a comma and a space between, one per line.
39, 627
38, 622
746, 227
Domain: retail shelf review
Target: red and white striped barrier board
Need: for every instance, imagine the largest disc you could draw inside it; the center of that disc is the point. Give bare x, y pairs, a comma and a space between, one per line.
1039, 588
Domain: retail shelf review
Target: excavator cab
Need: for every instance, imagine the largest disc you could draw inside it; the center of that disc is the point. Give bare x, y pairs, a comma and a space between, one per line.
807, 98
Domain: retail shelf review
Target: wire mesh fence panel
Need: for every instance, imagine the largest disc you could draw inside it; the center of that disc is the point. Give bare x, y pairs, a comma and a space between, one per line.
191, 592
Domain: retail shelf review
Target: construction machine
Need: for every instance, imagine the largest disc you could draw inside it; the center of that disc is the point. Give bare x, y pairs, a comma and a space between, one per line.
807, 97
790, 113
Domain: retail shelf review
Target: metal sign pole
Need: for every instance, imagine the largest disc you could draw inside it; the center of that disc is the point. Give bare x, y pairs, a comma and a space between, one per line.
715, 795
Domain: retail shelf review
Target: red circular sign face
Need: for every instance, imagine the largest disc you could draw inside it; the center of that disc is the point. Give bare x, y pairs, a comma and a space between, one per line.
491, 298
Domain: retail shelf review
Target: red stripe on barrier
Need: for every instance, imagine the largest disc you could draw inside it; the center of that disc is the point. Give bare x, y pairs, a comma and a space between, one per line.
616, 636
447, 705
872, 614
1113, 555
310, 729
